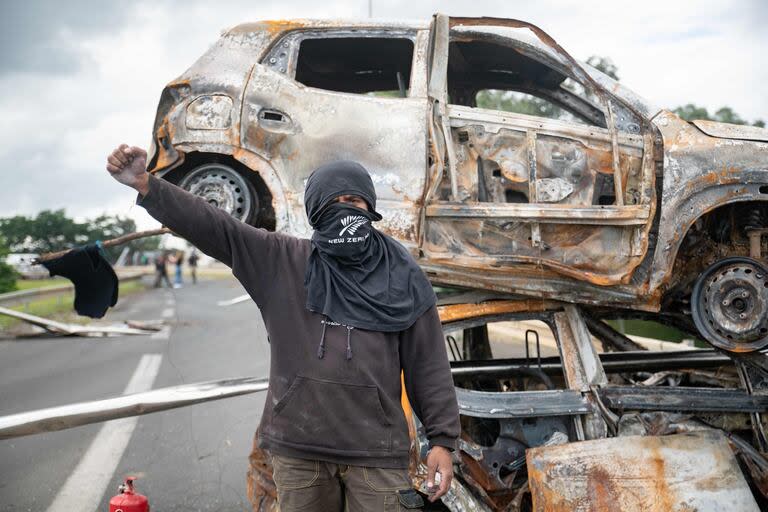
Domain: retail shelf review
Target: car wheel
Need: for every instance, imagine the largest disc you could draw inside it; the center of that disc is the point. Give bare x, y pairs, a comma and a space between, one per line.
224, 187
730, 304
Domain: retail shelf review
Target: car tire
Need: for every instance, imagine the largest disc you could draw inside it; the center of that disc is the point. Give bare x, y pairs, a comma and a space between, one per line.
224, 187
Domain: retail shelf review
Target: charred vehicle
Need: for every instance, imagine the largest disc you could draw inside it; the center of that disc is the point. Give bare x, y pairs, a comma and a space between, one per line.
614, 204
560, 412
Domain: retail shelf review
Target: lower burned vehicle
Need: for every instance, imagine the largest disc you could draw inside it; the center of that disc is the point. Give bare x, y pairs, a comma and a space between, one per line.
600, 199
560, 411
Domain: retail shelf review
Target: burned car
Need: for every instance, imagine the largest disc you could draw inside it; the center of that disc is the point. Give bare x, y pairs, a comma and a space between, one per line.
617, 204
559, 411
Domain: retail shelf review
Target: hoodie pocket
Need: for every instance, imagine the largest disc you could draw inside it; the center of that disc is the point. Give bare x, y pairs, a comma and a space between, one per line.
337, 416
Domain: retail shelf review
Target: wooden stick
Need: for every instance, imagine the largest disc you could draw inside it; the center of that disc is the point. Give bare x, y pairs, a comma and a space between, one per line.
106, 243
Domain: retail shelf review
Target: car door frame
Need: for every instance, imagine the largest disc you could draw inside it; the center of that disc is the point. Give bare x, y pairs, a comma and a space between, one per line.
640, 216
395, 158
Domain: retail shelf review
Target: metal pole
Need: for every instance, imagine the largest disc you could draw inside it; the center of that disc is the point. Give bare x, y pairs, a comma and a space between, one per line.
84, 413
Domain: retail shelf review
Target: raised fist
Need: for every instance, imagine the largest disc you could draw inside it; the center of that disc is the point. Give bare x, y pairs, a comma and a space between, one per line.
128, 166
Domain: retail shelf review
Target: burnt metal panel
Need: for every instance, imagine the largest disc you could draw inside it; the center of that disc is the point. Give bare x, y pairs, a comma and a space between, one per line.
521, 404
732, 131
612, 362
700, 174
676, 473
581, 367
328, 125
544, 213
682, 399
560, 222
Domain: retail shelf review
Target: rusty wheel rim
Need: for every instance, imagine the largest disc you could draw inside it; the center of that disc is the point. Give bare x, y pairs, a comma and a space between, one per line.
730, 305
224, 188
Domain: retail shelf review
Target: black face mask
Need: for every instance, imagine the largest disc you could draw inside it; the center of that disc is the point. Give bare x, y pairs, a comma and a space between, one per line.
357, 275
344, 232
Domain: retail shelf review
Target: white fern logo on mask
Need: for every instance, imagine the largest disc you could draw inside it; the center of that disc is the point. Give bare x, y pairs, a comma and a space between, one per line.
352, 223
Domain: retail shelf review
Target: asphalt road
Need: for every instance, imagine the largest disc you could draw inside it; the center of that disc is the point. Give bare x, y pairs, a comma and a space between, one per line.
194, 458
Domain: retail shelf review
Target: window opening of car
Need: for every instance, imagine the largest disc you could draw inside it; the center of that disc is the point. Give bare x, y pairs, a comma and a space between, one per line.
365, 65
523, 103
491, 75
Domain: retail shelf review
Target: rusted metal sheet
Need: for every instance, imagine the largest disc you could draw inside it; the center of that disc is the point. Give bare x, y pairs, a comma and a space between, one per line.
581, 364
682, 399
456, 312
521, 404
732, 131
683, 473
612, 362
554, 213
701, 173
581, 367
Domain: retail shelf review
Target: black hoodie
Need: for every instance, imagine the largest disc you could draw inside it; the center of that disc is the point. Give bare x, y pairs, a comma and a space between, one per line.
334, 408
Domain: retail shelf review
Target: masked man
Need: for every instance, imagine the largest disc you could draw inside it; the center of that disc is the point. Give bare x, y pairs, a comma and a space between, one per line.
345, 312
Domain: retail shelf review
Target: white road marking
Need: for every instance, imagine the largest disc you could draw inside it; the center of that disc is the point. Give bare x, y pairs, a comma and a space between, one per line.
85, 487
236, 300
163, 334
167, 312
169, 302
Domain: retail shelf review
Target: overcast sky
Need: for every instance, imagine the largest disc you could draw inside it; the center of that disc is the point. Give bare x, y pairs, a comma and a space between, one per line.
79, 77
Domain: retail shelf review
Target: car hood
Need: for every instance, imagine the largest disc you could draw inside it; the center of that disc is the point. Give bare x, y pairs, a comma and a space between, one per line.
732, 131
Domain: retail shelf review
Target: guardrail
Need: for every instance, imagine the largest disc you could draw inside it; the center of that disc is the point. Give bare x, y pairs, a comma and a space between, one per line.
26, 296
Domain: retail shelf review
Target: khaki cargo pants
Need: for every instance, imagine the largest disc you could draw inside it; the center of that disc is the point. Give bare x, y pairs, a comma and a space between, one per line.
317, 486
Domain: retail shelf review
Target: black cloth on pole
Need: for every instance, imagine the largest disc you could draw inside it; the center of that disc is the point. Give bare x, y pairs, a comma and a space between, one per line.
96, 284
357, 275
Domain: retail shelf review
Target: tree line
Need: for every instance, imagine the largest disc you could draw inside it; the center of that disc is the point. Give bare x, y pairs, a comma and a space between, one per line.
520, 103
53, 230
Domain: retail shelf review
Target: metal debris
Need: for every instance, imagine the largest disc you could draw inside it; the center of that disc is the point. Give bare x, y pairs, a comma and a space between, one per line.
84, 413
676, 473
66, 329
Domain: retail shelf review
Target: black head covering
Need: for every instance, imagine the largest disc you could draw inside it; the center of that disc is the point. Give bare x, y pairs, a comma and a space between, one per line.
330, 181
96, 285
356, 275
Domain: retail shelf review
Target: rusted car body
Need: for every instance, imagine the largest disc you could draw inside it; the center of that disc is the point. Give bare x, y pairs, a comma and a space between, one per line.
623, 205
588, 422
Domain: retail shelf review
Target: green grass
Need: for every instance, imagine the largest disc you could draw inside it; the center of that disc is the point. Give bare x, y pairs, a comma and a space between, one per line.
29, 284
648, 329
60, 306
655, 330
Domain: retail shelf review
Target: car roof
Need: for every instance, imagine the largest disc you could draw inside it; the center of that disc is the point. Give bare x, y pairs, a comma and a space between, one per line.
275, 27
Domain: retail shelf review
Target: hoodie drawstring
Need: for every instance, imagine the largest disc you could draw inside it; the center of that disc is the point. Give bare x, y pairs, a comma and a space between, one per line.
349, 345
321, 348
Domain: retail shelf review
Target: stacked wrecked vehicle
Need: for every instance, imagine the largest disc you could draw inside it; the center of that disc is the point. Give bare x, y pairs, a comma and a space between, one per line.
610, 210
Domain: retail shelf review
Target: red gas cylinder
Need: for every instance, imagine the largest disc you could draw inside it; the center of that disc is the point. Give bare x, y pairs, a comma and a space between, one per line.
128, 500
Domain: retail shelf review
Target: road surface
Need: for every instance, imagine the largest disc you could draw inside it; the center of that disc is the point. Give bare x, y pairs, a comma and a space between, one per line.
194, 458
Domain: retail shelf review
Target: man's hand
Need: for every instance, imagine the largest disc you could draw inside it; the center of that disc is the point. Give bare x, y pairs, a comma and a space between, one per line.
439, 460
128, 166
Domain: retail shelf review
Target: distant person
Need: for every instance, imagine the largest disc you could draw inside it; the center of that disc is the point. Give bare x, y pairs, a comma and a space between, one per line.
161, 271
192, 262
347, 312
178, 260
